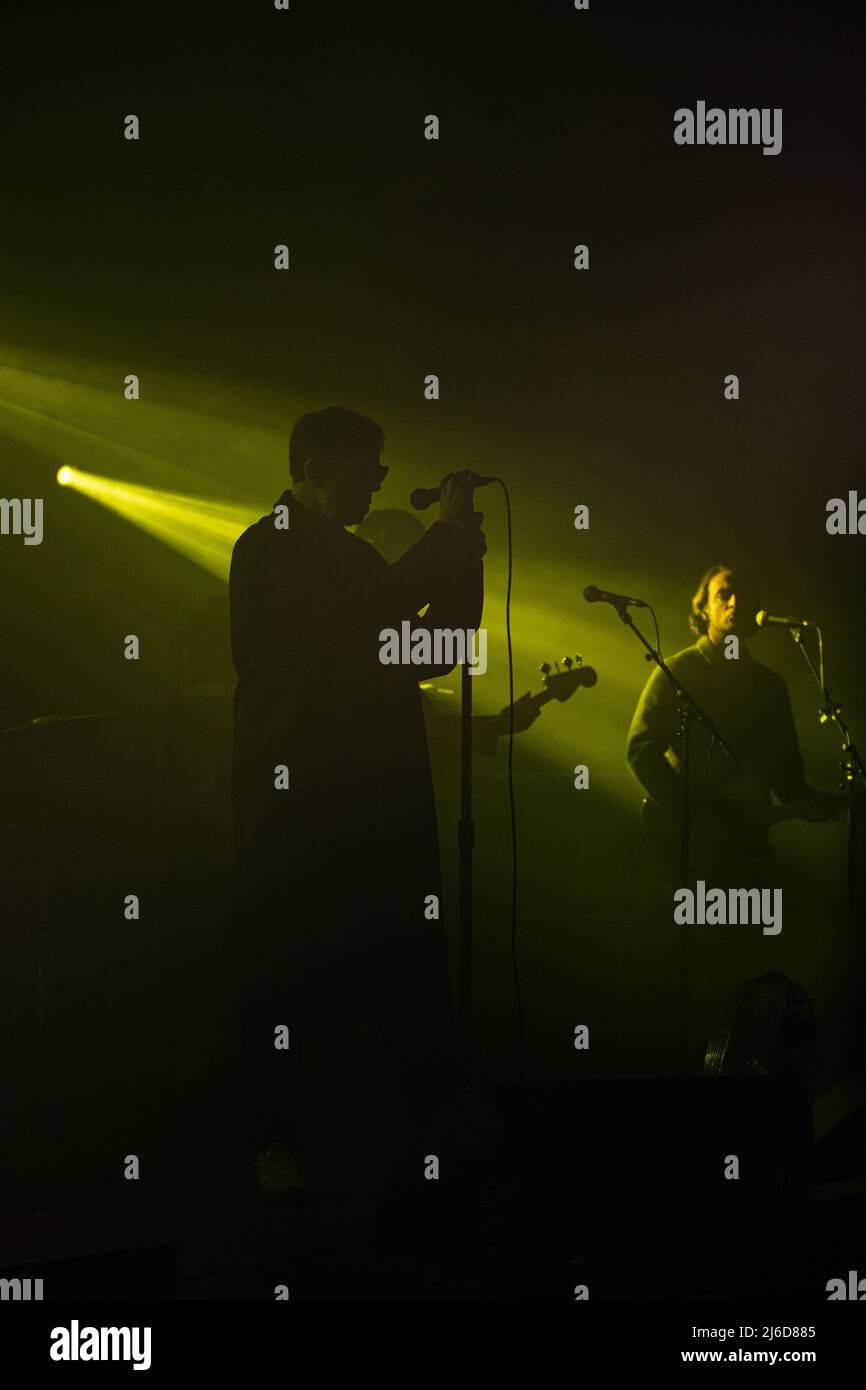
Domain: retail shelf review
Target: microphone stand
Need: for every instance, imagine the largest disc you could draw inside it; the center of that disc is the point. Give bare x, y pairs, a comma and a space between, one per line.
465, 844
851, 765
465, 847
465, 827
689, 710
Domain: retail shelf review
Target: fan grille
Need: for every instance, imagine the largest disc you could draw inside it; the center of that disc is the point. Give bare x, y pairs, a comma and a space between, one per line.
767, 1028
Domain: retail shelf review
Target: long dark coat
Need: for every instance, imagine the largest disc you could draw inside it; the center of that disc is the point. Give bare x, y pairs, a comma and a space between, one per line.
343, 859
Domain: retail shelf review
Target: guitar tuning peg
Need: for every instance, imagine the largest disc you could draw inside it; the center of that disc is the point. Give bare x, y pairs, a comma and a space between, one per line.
567, 662
578, 660
544, 668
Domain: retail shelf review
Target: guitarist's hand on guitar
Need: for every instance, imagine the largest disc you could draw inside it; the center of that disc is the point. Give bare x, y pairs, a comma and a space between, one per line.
735, 821
525, 713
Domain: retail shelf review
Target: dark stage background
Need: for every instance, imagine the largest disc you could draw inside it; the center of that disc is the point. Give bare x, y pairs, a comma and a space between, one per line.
602, 387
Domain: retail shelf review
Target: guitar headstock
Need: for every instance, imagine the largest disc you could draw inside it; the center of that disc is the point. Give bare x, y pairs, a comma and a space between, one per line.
562, 684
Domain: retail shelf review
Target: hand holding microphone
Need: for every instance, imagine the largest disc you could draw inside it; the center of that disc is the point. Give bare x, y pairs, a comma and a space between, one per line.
456, 496
424, 497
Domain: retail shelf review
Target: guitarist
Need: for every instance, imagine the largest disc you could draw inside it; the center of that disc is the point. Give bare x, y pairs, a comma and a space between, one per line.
748, 703
750, 707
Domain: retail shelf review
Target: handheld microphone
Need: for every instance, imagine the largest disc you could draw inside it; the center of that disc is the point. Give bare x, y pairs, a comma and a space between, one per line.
594, 595
424, 497
765, 619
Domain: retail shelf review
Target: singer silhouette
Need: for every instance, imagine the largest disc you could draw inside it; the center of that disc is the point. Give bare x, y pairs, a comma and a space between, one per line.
337, 856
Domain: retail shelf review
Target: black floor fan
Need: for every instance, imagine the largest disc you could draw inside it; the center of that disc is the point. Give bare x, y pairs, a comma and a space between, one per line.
767, 1029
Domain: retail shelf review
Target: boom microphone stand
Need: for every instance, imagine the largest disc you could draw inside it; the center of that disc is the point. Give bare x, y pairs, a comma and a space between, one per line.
689, 710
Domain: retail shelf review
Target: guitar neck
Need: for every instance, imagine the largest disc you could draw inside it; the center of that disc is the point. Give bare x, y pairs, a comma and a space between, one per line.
541, 699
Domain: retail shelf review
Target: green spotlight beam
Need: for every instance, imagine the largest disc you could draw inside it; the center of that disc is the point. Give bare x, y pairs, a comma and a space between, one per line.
99, 431
197, 527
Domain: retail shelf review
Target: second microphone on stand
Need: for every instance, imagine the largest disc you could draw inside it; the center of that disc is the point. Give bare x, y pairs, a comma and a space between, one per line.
594, 595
